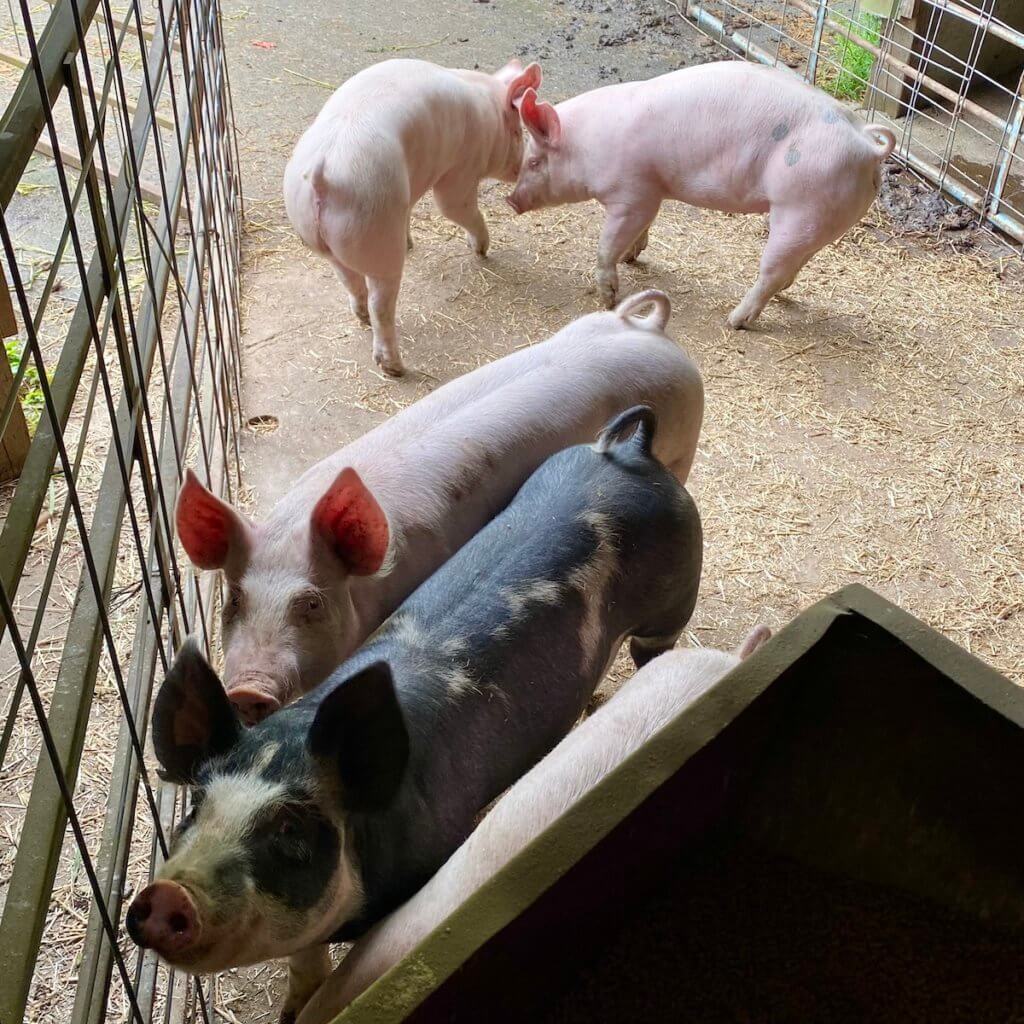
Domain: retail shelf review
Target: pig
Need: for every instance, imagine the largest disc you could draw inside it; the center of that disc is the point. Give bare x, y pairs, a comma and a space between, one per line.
728, 136
359, 531
315, 823
390, 133
652, 698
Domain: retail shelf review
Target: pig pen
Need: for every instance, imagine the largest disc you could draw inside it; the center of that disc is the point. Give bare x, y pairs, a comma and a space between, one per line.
867, 430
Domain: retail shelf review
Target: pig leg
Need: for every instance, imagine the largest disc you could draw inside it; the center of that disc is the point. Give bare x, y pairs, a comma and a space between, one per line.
623, 226
355, 284
383, 300
633, 253
456, 199
643, 649
791, 243
307, 971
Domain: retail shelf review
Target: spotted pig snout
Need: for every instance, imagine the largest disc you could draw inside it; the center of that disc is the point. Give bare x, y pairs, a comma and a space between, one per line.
163, 918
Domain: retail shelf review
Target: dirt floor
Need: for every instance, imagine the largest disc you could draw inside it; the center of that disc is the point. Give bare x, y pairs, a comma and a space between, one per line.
869, 430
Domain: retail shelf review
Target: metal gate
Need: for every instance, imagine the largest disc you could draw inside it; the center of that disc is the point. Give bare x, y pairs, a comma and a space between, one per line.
121, 206
946, 75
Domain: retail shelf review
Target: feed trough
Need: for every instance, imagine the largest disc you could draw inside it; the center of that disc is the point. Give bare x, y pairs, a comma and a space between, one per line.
831, 833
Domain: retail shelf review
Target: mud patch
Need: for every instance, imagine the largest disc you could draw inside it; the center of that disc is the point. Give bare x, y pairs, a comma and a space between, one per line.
915, 208
264, 424
644, 32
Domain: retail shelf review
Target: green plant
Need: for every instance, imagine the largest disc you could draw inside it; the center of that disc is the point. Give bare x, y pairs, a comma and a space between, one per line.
32, 400
854, 62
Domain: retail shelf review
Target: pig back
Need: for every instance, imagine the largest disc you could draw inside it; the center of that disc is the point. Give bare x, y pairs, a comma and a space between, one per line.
495, 656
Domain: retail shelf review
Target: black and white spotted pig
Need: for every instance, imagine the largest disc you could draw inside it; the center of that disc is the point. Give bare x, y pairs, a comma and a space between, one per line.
323, 818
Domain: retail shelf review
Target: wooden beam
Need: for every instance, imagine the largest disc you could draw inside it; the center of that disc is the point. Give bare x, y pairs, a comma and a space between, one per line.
8, 325
15, 441
17, 61
147, 33
149, 191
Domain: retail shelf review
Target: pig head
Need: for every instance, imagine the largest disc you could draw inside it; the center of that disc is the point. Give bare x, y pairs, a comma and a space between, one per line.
547, 177
260, 867
287, 614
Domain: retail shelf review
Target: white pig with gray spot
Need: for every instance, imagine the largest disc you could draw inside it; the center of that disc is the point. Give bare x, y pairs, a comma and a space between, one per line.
725, 136
650, 700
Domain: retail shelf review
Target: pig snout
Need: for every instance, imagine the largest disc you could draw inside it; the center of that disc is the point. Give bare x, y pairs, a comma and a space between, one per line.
515, 202
163, 918
254, 696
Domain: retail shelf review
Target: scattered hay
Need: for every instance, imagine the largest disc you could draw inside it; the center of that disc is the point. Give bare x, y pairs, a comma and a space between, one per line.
867, 431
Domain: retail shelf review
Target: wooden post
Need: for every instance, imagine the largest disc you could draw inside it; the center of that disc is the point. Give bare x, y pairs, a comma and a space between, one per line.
14, 444
890, 92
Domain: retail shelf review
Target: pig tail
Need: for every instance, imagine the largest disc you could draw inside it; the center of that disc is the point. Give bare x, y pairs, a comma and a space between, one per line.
651, 297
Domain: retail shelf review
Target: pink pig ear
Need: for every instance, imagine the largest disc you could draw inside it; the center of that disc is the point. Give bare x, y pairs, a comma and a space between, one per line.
541, 119
510, 70
212, 533
349, 520
757, 636
528, 78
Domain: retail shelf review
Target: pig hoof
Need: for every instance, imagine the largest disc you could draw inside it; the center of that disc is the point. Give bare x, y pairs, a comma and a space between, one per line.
607, 297
392, 367
738, 322
360, 310
478, 245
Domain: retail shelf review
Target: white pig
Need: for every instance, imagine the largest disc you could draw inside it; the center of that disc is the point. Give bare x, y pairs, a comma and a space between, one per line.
728, 136
390, 133
359, 531
646, 703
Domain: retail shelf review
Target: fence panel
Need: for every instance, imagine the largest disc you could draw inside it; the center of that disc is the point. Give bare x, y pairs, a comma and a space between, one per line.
121, 205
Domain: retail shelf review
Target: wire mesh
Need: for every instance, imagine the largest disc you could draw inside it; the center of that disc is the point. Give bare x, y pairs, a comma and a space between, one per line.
121, 205
946, 75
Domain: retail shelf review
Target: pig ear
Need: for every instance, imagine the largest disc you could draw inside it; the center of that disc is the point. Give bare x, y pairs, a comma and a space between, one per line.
510, 70
349, 520
526, 78
541, 119
359, 732
757, 636
212, 533
193, 720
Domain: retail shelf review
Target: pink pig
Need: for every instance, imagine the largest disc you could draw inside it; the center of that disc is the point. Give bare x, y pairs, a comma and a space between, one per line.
728, 136
389, 134
359, 531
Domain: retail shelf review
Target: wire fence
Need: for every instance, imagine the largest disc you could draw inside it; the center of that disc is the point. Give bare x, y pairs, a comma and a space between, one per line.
121, 206
946, 75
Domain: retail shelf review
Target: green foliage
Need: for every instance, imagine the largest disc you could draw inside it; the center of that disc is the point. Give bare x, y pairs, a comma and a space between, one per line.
32, 401
854, 62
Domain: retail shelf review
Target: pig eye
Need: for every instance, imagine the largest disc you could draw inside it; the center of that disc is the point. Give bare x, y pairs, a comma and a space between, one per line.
533, 163
233, 603
309, 605
288, 832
